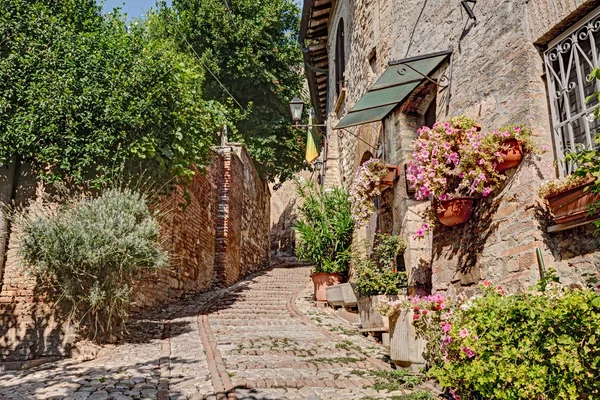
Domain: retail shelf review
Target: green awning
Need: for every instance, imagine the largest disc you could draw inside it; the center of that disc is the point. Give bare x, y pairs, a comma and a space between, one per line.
392, 88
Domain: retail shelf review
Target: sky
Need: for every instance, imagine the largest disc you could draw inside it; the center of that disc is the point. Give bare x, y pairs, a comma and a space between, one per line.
136, 8
133, 8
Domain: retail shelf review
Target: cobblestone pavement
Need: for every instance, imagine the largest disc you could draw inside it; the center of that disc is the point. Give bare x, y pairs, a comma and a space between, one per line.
263, 338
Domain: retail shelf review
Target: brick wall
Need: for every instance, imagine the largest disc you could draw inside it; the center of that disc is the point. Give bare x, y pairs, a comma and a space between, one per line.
218, 237
497, 78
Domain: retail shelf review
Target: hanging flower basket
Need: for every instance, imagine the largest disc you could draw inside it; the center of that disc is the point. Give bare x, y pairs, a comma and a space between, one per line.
511, 156
572, 204
388, 180
455, 211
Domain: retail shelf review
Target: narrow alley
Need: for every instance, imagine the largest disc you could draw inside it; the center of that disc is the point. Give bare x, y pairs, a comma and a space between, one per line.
262, 338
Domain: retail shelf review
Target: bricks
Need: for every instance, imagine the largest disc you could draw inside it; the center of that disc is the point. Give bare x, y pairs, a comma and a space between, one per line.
219, 236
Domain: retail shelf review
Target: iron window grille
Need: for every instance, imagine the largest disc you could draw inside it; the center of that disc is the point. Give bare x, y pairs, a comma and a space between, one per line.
569, 60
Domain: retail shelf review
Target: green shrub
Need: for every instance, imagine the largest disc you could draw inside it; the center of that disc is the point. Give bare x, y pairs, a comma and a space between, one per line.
324, 227
532, 345
376, 273
88, 252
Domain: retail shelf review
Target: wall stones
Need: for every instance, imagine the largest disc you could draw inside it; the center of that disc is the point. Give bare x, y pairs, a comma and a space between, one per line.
497, 78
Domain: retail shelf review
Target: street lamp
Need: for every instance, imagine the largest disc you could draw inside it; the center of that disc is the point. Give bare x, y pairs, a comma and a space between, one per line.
296, 107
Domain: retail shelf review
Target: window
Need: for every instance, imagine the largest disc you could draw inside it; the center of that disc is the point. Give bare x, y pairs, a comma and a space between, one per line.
569, 60
340, 58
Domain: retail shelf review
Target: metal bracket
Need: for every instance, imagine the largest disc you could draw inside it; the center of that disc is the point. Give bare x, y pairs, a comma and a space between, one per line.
341, 135
402, 71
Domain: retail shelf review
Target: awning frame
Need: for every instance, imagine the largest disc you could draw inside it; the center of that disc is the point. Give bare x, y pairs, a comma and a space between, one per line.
392, 101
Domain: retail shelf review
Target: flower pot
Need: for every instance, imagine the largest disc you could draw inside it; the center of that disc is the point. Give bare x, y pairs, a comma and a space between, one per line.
341, 295
370, 319
406, 348
388, 180
512, 157
455, 211
323, 279
571, 205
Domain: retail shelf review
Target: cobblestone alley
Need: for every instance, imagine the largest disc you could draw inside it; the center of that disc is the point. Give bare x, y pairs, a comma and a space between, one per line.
261, 339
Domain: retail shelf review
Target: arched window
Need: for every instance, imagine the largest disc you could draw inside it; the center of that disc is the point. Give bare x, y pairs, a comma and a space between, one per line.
340, 58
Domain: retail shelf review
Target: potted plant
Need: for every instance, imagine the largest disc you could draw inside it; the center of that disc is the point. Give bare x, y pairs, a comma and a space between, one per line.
569, 198
508, 145
371, 178
324, 228
375, 278
450, 165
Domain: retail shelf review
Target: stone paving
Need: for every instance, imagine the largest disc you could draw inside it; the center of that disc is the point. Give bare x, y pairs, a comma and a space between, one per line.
263, 338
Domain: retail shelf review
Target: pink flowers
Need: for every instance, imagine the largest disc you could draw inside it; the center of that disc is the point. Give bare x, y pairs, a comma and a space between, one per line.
421, 231
364, 187
468, 351
446, 327
464, 333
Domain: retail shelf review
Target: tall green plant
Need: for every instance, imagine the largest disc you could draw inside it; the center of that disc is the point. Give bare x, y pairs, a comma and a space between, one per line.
324, 227
88, 252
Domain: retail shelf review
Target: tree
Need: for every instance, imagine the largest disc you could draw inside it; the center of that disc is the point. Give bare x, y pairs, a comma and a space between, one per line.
252, 48
83, 95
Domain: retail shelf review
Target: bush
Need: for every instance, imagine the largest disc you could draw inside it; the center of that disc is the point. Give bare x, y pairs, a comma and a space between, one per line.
324, 227
532, 345
376, 274
89, 251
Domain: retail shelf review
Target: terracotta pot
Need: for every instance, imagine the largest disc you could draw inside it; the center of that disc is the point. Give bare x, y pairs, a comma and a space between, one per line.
571, 205
512, 156
456, 211
389, 180
323, 279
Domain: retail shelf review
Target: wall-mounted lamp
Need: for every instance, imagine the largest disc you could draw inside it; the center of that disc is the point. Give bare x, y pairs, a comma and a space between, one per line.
296, 108
467, 6
318, 165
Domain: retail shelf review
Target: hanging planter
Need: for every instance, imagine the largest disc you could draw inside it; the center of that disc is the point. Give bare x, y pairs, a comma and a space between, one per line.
455, 211
390, 178
512, 156
572, 204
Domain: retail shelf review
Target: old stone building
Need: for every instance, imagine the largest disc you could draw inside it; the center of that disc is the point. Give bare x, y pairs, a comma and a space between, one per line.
500, 62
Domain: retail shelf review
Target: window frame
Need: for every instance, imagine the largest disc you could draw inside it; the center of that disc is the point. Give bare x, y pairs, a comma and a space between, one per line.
563, 88
340, 57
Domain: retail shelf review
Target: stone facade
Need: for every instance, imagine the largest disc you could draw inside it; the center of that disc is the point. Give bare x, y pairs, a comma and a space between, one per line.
216, 230
497, 73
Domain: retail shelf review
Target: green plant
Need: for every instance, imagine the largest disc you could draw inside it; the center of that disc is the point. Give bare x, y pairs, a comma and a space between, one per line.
531, 345
376, 274
324, 227
88, 252
251, 46
387, 248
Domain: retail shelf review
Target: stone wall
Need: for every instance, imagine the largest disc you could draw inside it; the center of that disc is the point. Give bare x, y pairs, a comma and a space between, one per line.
497, 78
216, 230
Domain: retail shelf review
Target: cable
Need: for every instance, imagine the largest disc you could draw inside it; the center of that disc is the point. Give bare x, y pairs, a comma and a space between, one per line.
230, 13
204, 65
